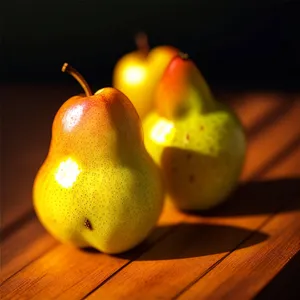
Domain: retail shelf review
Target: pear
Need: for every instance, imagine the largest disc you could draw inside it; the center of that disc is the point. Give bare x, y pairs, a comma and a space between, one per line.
198, 142
137, 73
98, 186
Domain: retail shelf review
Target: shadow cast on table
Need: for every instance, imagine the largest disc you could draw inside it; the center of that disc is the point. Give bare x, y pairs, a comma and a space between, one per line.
259, 197
189, 240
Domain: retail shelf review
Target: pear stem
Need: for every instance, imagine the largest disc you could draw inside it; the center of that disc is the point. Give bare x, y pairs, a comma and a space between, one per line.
73, 72
183, 55
141, 41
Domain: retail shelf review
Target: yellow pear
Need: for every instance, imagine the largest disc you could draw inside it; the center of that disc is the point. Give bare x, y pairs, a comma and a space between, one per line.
98, 186
137, 73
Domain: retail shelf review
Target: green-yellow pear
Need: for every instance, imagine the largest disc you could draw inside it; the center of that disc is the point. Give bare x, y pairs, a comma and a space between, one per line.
137, 73
98, 186
197, 141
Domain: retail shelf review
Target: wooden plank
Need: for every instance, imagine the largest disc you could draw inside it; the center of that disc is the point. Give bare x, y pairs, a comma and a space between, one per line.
44, 279
289, 168
40, 277
257, 265
286, 284
258, 110
172, 264
283, 133
181, 258
246, 271
26, 245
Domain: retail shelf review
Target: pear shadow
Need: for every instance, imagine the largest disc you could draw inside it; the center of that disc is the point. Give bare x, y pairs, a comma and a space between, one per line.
259, 197
90, 250
189, 240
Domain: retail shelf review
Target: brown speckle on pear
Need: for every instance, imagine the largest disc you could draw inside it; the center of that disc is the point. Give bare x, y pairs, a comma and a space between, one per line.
88, 224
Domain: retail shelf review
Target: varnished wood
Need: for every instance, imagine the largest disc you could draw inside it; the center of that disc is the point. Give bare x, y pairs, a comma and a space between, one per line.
23, 247
188, 254
243, 273
184, 246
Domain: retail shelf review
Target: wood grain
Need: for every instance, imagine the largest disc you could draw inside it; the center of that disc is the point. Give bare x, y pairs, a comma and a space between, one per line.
37, 267
246, 271
88, 268
285, 285
170, 274
258, 264
257, 110
269, 143
24, 246
171, 265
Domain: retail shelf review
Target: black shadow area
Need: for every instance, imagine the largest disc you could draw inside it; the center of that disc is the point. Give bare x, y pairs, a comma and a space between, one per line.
190, 240
285, 285
259, 197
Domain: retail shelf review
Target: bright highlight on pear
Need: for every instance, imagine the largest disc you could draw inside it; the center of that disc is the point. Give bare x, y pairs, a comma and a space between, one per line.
98, 186
198, 142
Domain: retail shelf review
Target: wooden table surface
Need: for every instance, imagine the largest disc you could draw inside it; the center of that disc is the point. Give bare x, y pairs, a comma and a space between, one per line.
246, 248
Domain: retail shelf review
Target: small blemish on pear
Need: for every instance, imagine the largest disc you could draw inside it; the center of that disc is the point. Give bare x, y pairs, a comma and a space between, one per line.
88, 224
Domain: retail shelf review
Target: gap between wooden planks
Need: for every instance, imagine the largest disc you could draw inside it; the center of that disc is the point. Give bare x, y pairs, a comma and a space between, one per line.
45, 289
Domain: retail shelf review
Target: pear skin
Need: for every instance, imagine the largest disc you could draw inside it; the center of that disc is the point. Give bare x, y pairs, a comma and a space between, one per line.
129, 77
98, 186
197, 141
182, 88
137, 74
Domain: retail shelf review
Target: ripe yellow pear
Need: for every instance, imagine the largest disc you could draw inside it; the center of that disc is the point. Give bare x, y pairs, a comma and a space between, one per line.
137, 73
98, 186
197, 141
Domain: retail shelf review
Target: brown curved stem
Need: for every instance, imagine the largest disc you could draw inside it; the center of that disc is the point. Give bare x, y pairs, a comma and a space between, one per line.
141, 41
72, 71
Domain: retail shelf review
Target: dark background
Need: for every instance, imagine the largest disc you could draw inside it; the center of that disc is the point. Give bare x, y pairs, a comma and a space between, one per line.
235, 43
